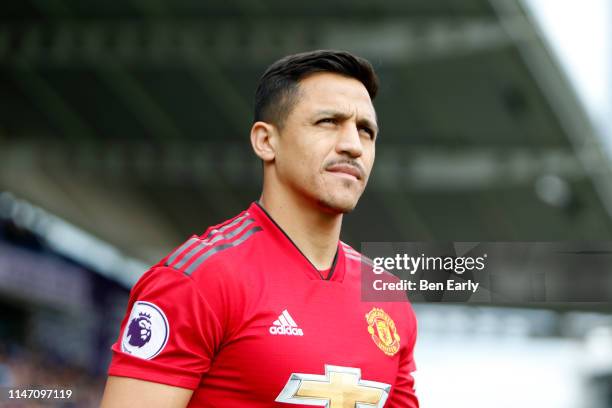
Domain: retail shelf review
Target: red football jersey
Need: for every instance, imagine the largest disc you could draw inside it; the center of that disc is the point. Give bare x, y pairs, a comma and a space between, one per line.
242, 317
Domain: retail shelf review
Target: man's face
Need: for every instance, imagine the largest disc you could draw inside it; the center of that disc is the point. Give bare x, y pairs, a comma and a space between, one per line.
325, 151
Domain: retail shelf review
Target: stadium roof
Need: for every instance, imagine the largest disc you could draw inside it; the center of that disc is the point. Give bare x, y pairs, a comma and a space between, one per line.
131, 120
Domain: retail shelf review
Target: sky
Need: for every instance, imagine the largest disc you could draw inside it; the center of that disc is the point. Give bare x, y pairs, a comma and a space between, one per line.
580, 34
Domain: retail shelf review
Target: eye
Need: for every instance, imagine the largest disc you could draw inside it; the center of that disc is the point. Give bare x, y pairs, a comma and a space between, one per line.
369, 131
333, 121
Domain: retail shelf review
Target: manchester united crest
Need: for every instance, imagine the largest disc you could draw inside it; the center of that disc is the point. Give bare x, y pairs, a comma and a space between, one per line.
382, 329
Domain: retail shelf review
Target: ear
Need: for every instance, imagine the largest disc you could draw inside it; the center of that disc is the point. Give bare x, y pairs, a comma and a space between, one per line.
263, 140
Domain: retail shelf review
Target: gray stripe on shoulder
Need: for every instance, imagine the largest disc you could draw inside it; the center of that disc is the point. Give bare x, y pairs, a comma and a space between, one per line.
226, 226
219, 248
180, 250
194, 251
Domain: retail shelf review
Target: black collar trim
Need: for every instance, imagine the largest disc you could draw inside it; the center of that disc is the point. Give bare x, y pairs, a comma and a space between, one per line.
334, 262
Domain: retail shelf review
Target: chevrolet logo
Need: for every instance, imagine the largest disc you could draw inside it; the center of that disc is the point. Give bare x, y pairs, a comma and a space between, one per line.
340, 387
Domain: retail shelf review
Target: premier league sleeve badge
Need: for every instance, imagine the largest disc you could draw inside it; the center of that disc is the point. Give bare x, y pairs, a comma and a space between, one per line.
146, 332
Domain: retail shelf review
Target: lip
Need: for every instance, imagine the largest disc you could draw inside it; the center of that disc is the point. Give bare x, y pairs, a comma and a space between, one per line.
345, 169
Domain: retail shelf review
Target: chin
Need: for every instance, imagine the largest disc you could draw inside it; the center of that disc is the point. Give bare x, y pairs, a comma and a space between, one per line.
338, 205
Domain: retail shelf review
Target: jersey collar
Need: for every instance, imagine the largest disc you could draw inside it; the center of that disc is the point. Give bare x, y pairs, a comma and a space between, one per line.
337, 271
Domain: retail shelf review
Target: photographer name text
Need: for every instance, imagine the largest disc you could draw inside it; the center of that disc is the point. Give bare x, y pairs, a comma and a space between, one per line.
425, 285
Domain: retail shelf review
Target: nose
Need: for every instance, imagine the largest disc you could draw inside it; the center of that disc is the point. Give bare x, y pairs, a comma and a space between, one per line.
349, 142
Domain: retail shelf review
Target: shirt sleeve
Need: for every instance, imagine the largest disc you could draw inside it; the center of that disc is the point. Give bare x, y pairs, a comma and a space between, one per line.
170, 333
402, 393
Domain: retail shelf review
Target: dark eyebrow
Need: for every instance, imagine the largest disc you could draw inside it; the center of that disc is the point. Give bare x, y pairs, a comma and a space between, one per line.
344, 116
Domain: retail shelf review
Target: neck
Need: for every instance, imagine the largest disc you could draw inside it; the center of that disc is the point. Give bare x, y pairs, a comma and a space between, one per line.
313, 231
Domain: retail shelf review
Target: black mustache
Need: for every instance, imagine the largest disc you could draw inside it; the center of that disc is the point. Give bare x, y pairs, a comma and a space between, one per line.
352, 163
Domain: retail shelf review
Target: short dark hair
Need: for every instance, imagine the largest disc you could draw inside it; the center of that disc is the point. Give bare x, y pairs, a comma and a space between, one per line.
277, 91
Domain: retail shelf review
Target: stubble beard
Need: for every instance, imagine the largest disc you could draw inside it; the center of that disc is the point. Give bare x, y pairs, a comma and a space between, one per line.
340, 205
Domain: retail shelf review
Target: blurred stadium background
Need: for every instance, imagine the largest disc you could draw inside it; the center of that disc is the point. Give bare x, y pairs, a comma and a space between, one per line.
123, 129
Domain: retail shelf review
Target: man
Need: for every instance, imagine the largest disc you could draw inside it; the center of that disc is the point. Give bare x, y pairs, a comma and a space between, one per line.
264, 310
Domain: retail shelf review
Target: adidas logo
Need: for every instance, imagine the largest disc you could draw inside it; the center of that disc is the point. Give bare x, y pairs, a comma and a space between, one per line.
285, 325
